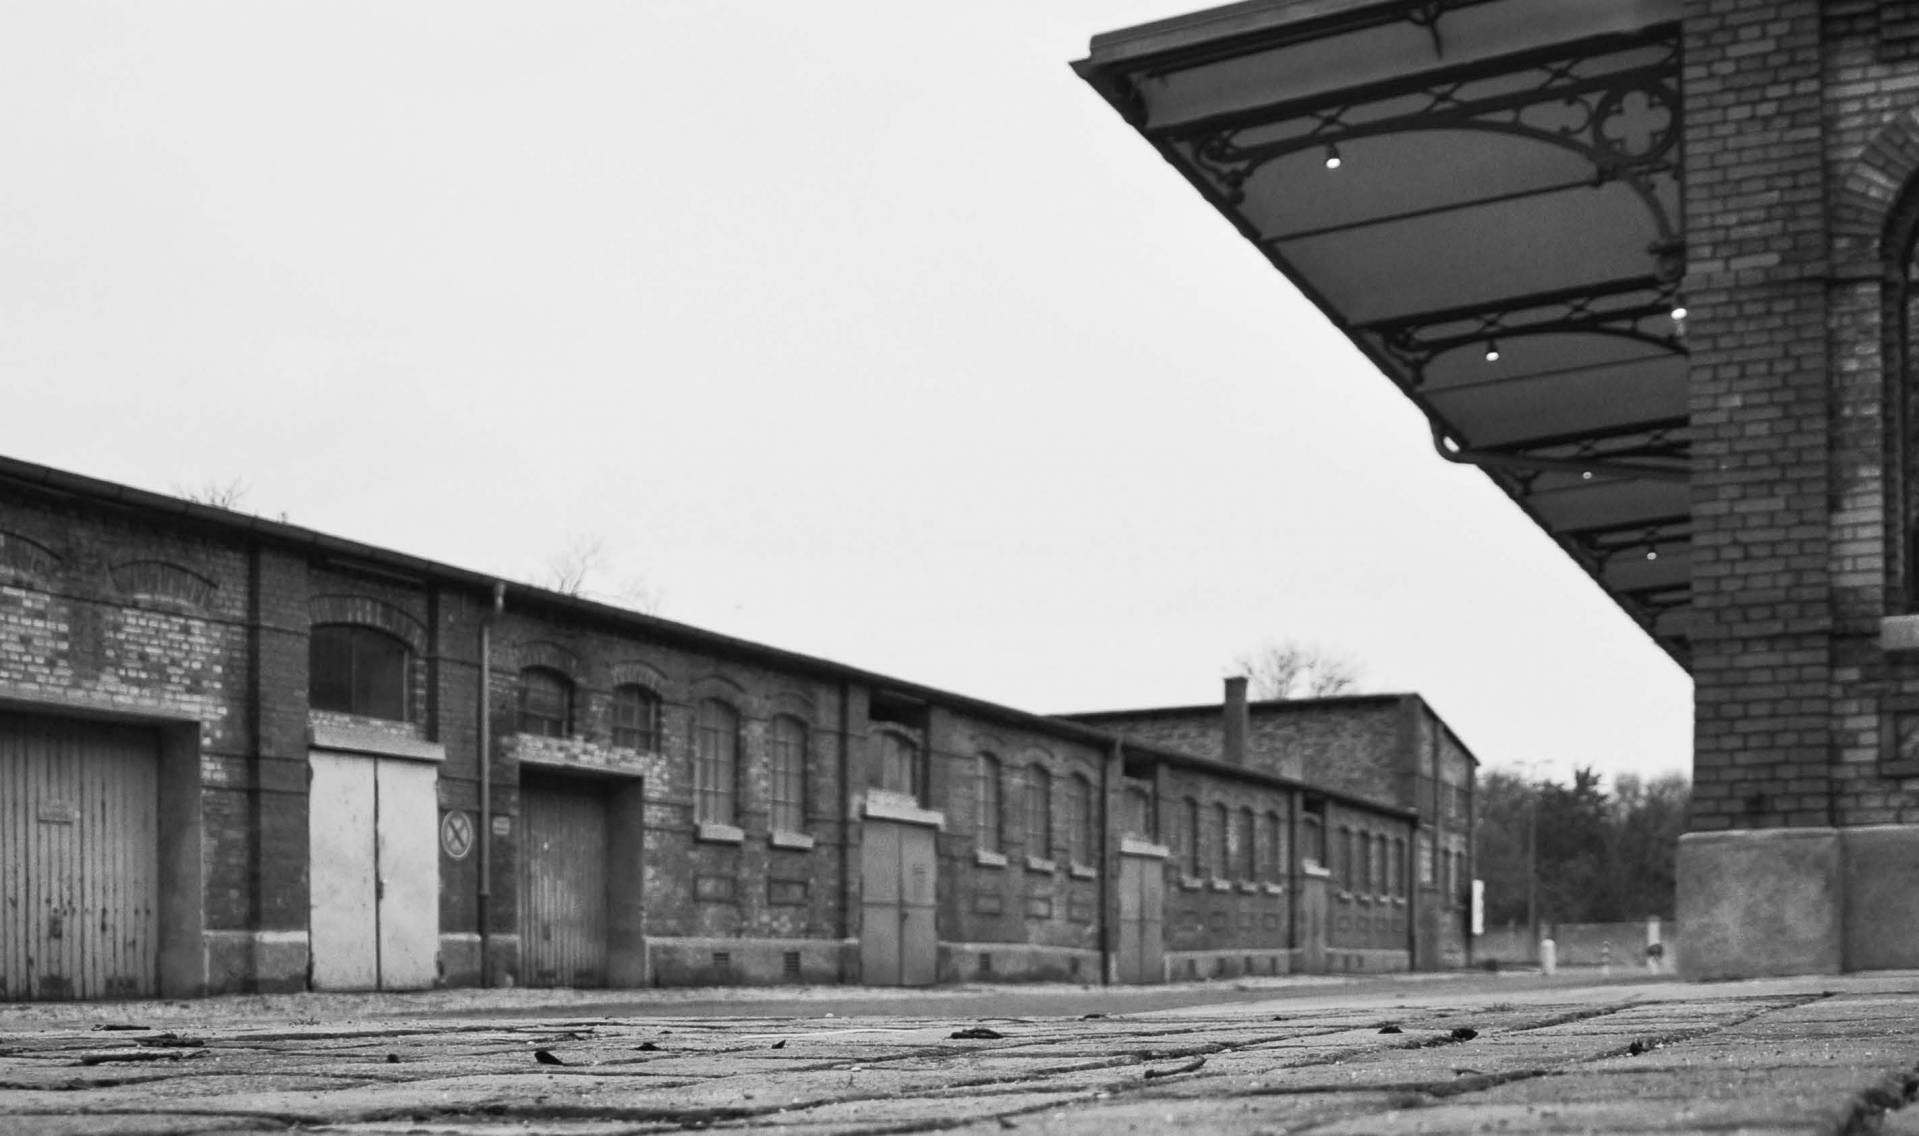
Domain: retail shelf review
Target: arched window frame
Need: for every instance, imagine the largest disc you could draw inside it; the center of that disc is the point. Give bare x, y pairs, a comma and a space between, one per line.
1222, 842
716, 762
378, 671
546, 703
989, 824
636, 717
1039, 813
899, 764
1080, 818
787, 752
1248, 845
1194, 839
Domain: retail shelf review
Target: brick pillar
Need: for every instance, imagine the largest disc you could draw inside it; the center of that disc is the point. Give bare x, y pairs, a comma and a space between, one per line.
1801, 140
1756, 246
1757, 871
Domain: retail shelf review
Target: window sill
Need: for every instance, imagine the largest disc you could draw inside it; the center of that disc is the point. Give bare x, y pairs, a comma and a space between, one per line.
719, 833
1218, 884
1083, 872
1191, 883
1249, 886
1040, 864
1137, 846
989, 859
798, 841
1273, 889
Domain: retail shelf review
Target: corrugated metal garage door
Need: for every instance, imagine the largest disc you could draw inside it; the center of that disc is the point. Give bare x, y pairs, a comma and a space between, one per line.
563, 883
79, 859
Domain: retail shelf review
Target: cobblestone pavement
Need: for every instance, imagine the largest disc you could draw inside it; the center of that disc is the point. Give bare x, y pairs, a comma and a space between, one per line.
1830, 1055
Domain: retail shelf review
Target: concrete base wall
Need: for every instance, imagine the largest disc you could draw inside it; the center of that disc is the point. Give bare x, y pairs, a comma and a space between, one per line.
1016, 962
1799, 901
256, 962
1881, 896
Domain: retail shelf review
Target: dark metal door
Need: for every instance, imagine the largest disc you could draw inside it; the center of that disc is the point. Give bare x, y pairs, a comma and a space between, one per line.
563, 885
79, 855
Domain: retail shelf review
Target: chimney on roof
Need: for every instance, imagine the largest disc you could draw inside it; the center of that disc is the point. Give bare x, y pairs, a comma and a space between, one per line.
1236, 721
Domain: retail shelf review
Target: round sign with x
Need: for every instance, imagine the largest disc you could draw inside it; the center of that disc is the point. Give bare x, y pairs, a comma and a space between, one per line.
456, 834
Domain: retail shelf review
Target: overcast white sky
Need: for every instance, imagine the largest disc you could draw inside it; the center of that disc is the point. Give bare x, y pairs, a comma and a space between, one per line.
861, 329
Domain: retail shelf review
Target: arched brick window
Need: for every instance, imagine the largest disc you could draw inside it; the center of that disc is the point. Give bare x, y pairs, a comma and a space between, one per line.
546, 703
989, 826
716, 762
636, 718
1039, 812
1079, 819
786, 742
353, 669
1248, 847
897, 767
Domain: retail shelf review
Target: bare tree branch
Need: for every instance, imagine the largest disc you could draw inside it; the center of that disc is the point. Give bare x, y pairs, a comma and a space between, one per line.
1290, 669
576, 569
220, 495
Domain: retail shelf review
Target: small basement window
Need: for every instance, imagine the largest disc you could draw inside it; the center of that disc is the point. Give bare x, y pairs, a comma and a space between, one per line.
358, 670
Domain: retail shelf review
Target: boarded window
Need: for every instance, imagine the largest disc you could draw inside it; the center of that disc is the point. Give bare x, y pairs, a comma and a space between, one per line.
716, 757
546, 703
988, 827
357, 670
636, 718
787, 742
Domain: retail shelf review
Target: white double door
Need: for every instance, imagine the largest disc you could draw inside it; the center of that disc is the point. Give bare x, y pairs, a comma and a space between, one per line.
374, 872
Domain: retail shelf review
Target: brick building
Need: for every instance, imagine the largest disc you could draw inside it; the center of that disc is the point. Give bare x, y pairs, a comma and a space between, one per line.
242, 755
1647, 264
1376, 747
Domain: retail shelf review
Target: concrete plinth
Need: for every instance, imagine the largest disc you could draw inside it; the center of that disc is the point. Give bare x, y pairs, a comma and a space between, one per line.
1881, 896
1760, 902
1799, 901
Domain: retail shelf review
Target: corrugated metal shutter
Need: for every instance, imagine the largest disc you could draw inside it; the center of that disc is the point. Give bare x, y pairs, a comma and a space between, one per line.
563, 884
79, 859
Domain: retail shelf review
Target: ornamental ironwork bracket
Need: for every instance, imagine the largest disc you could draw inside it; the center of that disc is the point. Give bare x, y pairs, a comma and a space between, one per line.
1639, 310
1617, 107
1533, 464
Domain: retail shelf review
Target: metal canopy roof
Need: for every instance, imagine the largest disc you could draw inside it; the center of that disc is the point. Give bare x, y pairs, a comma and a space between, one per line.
1484, 196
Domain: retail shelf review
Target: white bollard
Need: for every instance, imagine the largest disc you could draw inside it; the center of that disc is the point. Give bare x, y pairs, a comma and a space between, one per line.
1548, 957
1605, 959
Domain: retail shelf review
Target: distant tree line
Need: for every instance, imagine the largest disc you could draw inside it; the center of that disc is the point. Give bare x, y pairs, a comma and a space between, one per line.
1602, 857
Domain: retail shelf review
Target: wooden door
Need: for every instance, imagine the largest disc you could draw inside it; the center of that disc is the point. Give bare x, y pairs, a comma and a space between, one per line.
343, 925
79, 855
1142, 894
563, 884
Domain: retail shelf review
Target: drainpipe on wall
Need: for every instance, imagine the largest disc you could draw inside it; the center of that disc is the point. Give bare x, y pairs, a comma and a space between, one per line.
1112, 793
486, 782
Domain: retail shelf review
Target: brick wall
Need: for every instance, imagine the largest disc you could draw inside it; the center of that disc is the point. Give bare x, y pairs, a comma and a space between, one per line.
1802, 137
